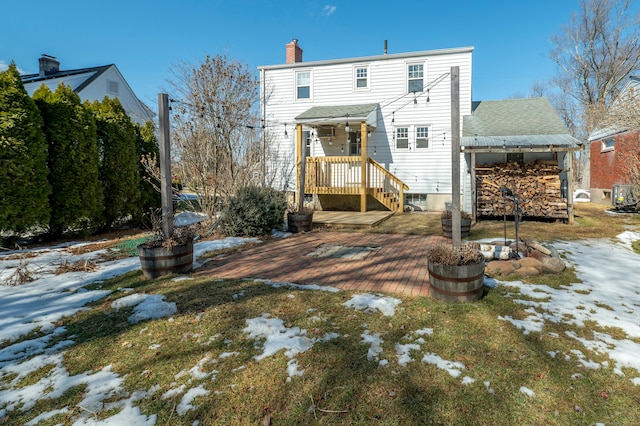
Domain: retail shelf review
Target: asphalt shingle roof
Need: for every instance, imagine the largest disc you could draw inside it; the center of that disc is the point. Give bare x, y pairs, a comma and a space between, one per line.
515, 122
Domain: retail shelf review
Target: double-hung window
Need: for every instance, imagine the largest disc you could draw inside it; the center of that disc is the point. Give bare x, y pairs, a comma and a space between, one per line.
415, 77
402, 137
361, 75
303, 85
422, 137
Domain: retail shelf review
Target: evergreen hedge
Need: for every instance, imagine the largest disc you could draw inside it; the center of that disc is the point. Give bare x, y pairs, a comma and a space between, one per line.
24, 188
119, 172
76, 201
147, 145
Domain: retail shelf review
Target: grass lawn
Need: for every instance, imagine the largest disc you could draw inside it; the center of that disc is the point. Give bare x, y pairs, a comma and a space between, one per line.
430, 363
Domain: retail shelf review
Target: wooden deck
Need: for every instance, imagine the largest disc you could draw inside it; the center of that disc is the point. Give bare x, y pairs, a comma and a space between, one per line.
349, 219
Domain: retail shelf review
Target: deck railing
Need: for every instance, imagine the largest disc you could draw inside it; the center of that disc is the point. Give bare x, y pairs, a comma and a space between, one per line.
342, 176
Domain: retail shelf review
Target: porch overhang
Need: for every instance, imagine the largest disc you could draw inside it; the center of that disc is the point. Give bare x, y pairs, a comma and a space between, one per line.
338, 115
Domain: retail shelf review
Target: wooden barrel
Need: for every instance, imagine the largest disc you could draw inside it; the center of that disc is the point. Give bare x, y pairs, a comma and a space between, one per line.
158, 261
447, 227
456, 283
299, 222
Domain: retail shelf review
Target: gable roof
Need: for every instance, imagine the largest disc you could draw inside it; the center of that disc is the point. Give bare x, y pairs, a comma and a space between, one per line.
80, 79
514, 124
88, 75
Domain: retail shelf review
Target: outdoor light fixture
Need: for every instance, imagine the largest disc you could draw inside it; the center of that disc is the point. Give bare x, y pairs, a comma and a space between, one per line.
428, 99
415, 100
285, 130
346, 126
374, 150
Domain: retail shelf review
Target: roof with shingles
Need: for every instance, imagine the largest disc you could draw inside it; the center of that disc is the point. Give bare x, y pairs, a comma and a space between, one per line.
515, 123
330, 114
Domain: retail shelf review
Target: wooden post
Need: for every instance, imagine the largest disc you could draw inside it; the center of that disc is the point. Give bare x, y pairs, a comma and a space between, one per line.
363, 167
569, 168
474, 188
165, 165
301, 156
456, 238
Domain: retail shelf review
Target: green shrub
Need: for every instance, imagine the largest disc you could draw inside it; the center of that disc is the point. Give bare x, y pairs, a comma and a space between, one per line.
254, 211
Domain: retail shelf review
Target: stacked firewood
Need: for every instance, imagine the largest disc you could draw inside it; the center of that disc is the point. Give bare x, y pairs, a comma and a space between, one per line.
535, 184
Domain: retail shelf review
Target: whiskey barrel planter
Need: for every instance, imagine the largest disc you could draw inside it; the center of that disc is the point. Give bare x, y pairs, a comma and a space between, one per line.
456, 283
299, 222
158, 261
447, 227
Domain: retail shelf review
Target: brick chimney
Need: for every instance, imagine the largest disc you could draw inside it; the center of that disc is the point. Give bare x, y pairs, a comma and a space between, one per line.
48, 65
294, 52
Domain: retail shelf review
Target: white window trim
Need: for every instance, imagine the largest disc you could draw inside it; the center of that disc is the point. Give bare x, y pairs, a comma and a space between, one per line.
429, 137
395, 137
412, 144
355, 77
295, 85
424, 75
605, 148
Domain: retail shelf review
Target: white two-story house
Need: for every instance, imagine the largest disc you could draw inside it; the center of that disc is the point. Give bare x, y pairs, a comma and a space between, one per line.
370, 131
91, 84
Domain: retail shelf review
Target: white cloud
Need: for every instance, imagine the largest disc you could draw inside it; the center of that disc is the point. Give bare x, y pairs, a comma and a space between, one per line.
328, 10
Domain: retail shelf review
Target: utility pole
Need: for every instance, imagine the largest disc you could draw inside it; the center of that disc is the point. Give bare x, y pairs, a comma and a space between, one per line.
456, 238
165, 165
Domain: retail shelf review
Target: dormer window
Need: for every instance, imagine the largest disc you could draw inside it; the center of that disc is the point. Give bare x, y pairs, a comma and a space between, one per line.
415, 77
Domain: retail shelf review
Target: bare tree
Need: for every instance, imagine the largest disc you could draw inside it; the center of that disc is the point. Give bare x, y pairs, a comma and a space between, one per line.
216, 141
595, 53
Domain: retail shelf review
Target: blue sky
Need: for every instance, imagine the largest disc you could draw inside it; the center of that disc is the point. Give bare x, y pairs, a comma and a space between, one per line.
146, 38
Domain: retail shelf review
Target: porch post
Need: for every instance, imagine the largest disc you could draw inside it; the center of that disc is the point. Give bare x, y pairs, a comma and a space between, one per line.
300, 145
363, 167
569, 162
474, 188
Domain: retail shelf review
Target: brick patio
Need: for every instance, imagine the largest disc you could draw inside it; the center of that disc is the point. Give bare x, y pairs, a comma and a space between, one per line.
398, 265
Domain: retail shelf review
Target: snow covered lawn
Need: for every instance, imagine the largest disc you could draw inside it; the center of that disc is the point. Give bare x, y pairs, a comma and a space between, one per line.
110, 348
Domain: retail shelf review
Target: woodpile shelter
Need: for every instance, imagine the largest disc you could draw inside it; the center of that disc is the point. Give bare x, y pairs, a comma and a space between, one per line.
519, 147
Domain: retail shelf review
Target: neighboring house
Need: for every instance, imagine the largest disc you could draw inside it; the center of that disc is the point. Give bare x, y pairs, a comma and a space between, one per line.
610, 148
522, 131
90, 84
377, 129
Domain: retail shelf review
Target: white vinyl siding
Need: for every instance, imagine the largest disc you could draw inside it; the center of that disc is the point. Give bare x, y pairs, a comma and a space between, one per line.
424, 170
